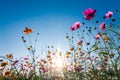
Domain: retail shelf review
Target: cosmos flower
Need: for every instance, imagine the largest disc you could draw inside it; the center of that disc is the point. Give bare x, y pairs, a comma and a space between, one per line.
82, 53
9, 56
89, 13
75, 26
80, 42
7, 73
100, 67
98, 36
106, 39
15, 77
25, 58
72, 48
109, 14
78, 69
45, 70
27, 30
3, 64
103, 26
69, 69
88, 57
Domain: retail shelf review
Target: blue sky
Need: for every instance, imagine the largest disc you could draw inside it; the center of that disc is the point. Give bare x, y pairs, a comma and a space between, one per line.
51, 18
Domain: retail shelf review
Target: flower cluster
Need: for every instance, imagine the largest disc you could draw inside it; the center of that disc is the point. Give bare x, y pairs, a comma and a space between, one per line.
94, 54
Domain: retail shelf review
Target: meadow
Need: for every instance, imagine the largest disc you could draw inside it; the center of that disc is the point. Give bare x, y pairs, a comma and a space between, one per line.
93, 54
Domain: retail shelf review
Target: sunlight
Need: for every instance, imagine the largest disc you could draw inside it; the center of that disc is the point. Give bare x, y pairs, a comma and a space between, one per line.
57, 62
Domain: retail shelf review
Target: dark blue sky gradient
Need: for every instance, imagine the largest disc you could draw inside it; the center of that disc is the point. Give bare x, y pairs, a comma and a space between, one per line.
51, 18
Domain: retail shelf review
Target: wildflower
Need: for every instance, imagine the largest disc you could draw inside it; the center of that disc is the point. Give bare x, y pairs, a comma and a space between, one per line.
80, 42
105, 62
45, 70
100, 67
103, 26
72, 28
3, 64
67, 53
9, 56
7, 73
98, 36
15, 77
109, 14
25, 58
51, 62
69, 69
48, 56
27, 30
72, 48
106, 39
87, 57
67, 56
75, 26
28, 48
78, 69
89, 13
82, 53
79, 48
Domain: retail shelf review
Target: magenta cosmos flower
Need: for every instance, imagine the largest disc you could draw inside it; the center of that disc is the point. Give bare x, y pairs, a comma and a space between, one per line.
89, 13
98, 36
26, 58
103, 26
75, 26
109, 14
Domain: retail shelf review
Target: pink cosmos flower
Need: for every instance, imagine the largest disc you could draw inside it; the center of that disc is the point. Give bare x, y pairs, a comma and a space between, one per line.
69, 69
100, 67
87, 57
89, 13
26, 58
103, 26
75, 26
78, 69
97, 37
82, 53
109, 14
45, 69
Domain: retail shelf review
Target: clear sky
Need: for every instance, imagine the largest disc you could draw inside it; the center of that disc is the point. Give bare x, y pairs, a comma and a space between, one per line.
51, 18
